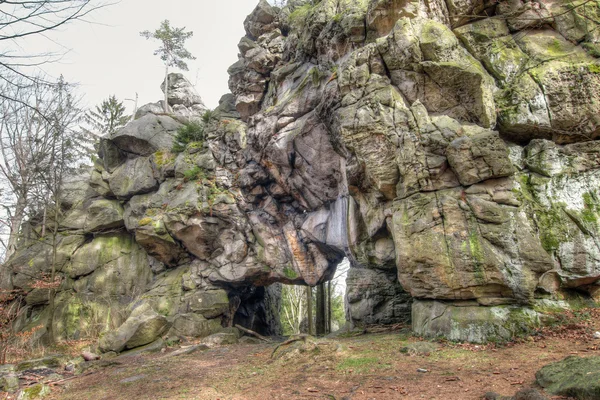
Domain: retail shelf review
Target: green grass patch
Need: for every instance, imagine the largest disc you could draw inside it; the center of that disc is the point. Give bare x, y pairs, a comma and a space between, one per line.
358, 363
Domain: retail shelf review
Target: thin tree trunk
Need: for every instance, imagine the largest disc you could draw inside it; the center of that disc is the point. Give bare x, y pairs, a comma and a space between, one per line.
309, 309
166, 105
329, 307
15, 227
44, 222
135, 106
320, 323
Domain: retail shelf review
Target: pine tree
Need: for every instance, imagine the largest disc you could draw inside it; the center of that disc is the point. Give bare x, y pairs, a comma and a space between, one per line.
172, 51
107, 117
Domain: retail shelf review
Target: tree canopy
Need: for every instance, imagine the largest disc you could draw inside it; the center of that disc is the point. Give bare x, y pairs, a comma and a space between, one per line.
107, 117
172, 51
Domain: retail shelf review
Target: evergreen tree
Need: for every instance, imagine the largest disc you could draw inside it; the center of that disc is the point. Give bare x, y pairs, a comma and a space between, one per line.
107, 117
172, 51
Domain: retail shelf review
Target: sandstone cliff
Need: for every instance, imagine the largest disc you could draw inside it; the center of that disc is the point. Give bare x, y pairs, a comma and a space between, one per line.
446, 148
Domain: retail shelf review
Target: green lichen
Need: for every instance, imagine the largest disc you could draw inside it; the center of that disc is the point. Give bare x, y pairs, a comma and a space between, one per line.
553, 229
593, 49
35, 392
290, 273
315, 75
477, 255
592, 208
555, 47
162, 158
594, 68
145, 221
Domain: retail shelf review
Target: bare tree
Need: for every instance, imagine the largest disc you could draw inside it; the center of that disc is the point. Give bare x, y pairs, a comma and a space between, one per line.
23, 148
38, 144
21, 19
293, 307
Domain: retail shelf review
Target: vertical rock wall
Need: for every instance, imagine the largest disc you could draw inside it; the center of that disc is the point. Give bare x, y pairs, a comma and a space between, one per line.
448, 149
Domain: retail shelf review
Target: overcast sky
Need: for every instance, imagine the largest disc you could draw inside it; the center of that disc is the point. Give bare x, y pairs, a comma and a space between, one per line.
108, 56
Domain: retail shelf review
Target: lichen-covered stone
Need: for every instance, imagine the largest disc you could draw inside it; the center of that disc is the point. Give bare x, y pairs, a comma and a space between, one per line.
146, 135
195, 325
470, 322
456, 153
37, 391
142, 327
576, 377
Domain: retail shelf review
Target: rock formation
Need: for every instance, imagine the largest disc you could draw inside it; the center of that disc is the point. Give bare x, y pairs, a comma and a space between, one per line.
448, 149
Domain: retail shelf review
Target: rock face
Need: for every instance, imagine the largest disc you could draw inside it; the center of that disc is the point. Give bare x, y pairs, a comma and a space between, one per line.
453, 160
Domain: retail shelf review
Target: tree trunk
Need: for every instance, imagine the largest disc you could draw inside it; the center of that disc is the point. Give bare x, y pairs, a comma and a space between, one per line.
166, 105
15, 227
329, 307
309, 309
321, 324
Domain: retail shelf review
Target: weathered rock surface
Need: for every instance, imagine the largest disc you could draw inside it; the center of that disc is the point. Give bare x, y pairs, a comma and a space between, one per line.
181, 92
574, 377
453, 160
471, 323
142, 327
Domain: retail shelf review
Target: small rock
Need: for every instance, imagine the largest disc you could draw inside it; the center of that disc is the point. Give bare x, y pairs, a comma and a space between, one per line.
37, 391
529, 394
220, 339
597, 335
45, 362
249, 340
188, 350
422, 370
153, 347
89, 356
9, 382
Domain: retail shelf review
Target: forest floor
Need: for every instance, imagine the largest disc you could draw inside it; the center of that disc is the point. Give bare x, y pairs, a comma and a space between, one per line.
362, 367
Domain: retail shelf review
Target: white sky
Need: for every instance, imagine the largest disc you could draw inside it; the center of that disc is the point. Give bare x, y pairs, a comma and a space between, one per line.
108, 56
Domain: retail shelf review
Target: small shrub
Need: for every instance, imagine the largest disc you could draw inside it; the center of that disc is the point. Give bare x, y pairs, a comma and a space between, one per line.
207, 116
188, 133
193, 174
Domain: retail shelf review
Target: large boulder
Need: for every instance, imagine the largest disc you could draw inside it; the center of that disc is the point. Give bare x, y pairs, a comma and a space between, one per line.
575, 377
146, 135
471, 323
135, 176
142, 327
181, 92
376, 297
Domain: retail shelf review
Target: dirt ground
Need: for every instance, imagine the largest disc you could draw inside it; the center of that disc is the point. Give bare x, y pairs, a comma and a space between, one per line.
363, 367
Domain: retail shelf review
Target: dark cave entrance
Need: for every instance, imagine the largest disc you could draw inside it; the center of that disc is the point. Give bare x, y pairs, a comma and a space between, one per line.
282, 310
